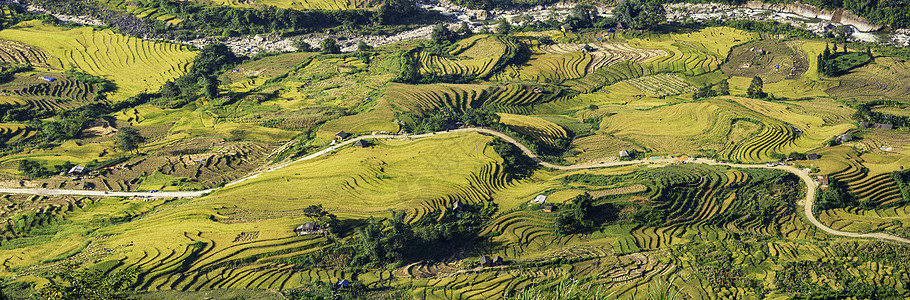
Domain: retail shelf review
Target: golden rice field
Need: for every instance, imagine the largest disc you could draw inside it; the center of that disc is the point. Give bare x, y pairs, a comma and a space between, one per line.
142, 12
474, 56
538, 128
134, 65
606, 53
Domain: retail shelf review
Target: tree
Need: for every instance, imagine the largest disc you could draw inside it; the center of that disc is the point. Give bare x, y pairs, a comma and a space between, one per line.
169, 90
302, 45
723, 88
580, 16
362, 46
315, 211
32, 169
209, 85
330, 46
503, 27
640, 15
593, 107
755, 89
442, 34
128, 139
395, 11
576, 216
464, 30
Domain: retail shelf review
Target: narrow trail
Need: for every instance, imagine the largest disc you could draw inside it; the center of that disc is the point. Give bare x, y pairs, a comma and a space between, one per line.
811, 186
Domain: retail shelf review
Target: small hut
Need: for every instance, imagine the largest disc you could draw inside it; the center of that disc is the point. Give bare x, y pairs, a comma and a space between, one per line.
361, 144
486, 261
342, 135
549, 208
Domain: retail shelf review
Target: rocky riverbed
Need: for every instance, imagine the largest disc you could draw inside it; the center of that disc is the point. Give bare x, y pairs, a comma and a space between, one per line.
480, 19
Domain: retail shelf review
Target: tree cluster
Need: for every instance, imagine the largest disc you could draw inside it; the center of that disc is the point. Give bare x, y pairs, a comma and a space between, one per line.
640, 14
394, 241
203, 76
834, 63
720, 89
577, 216
864, 113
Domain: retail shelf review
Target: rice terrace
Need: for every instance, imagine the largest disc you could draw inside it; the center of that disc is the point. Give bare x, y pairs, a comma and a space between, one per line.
398, 149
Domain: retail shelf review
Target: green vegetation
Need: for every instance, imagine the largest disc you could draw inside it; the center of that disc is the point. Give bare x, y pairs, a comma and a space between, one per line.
407, 217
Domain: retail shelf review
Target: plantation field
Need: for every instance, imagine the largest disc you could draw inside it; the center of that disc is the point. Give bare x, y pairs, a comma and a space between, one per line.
15, 52
11, 133
134, 65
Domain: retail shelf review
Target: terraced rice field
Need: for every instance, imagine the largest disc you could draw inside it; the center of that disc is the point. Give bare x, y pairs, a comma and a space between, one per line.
138, 10
875, 188
62, 93
543, 130
692, 53
11, 133
475, 56
884, 79
15, 52
134, 65
662, 84
549, 68
457, 97
606, 54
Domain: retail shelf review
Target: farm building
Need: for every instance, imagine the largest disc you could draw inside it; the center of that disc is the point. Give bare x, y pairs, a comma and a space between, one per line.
549, 208
822, 180
486, 261
342, 135
623, 153
566, 28
457, 206
812, 156
344, 283
48, 79
77, 170
307, 228
539, 199
497, 261
843, 138
884, 126
361, 144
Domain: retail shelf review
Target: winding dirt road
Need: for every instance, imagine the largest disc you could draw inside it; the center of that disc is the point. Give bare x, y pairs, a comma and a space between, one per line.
804, 175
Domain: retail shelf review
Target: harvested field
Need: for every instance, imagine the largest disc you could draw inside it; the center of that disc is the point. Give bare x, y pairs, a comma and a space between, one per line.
606, 54
16, 52
661, 85
543, 130
887, 78
772, 61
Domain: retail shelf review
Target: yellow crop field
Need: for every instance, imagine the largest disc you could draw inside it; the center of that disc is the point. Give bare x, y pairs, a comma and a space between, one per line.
541, 129
134, 65
301, 4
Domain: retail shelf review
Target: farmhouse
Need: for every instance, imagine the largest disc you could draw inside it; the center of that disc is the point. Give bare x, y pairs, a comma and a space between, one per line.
822, 180
549, 208
566, 28
539, 199
812, 156
48, 79
623, 153
843, 138
497, 261
307, 228
457, 206
486, 261
342, 135
361, 144
77, 170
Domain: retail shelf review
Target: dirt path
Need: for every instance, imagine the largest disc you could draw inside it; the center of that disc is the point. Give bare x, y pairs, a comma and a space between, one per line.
804, 175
